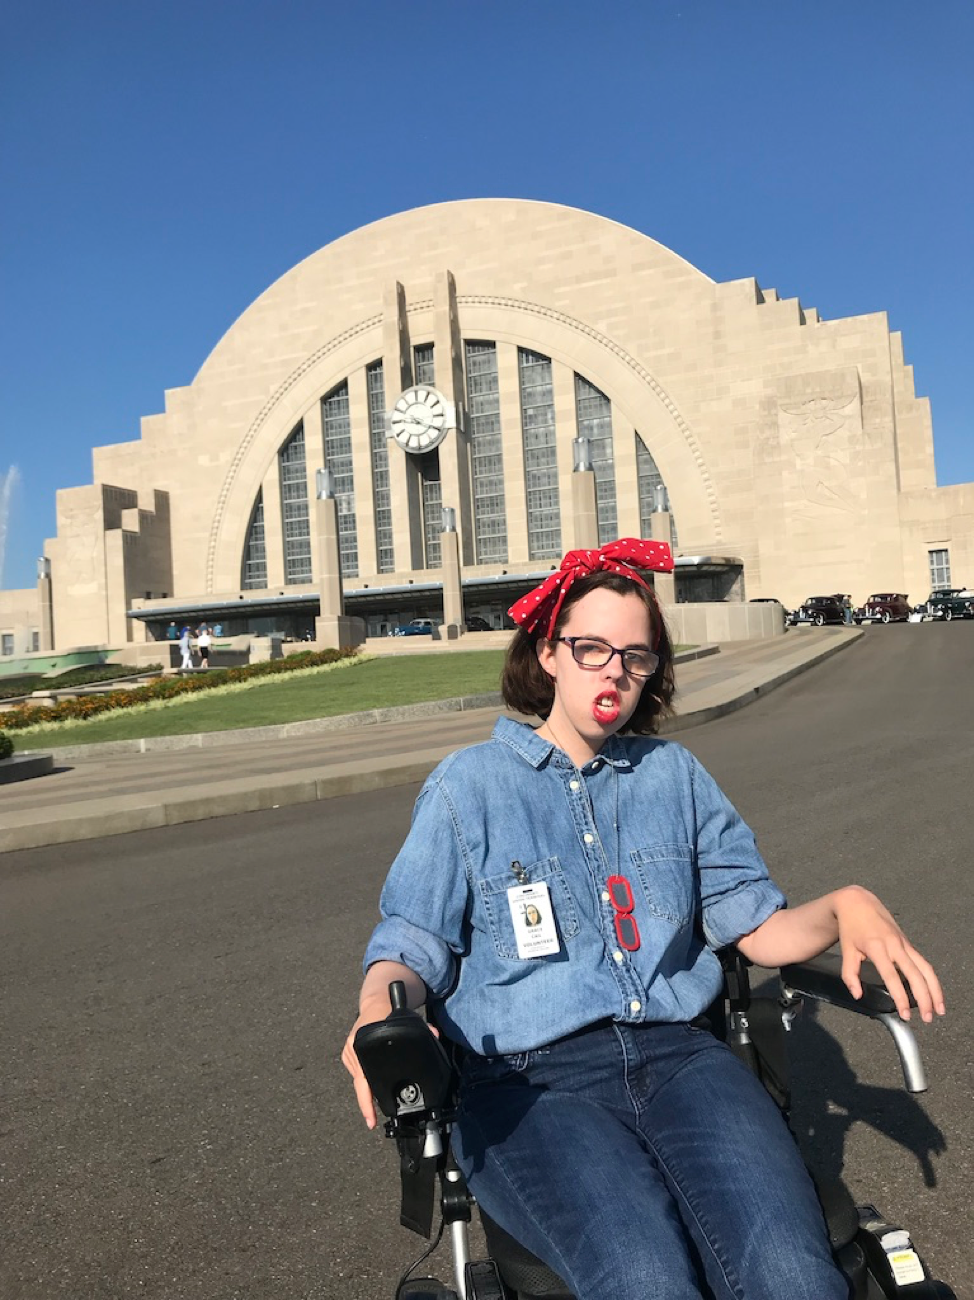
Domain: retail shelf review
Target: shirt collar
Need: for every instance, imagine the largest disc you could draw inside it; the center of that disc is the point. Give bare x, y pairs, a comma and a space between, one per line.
534, 749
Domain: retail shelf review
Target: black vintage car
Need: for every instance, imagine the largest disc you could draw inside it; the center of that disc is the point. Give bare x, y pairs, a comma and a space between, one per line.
820, 609
951, 602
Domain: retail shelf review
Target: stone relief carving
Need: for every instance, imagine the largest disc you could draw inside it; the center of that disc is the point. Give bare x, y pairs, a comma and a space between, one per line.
821, 433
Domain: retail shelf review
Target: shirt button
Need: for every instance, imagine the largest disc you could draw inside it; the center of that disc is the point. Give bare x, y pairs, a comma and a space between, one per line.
606, 897
635, 1006
617, 955
573, 785
588, 837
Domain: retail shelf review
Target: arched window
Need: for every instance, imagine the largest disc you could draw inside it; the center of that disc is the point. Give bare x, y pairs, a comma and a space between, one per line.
540, 458
338, 458
254, 570
428, 465
649, 479
294, 508
381, 493
486, 455
593, 413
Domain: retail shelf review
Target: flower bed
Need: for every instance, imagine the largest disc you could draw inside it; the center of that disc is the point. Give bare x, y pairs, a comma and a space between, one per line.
167, 688
83, 676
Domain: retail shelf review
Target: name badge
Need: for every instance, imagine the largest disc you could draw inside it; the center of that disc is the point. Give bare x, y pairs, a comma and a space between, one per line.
534, 920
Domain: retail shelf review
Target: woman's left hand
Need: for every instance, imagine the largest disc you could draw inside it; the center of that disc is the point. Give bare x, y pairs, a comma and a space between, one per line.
867, 932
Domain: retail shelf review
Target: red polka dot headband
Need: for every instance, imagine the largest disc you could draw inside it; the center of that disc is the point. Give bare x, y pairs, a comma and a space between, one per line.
540, 607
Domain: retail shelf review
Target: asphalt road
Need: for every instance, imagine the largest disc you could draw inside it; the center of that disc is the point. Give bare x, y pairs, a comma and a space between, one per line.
175, 1123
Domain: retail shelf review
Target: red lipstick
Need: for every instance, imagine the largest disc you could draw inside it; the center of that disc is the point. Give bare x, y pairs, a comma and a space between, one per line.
606, 706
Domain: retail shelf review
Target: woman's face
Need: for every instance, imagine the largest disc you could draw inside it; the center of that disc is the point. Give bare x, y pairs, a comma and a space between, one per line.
592, 704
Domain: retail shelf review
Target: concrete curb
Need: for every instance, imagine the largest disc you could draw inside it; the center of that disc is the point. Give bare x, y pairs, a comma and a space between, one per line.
84, 820
697, 717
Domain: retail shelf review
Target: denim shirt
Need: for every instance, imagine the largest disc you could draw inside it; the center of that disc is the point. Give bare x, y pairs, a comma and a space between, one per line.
643, 808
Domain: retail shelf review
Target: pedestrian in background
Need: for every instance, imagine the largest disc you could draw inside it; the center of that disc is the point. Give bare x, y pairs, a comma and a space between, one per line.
203, 645
184, 648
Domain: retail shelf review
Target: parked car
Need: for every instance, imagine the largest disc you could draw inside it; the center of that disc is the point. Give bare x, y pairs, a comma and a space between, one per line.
477, 624
884, 607
818, 610
951, 602
415, 627
771, 600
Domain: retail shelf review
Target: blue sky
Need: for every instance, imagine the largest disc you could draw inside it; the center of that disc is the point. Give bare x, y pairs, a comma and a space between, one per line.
162, 163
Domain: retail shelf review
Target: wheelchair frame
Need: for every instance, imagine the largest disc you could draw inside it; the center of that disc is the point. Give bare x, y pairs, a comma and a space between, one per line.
414, 1083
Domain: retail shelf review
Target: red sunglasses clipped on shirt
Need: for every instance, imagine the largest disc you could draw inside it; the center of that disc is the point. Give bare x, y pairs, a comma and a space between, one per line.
620, 896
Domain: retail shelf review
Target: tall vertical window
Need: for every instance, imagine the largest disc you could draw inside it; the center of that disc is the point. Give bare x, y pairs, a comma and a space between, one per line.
254, 574
486, 457
649, 478
594, 416
939, 569
294, 508
429, 475
423, 364
338, 458
381, 493
7, 643
540, 460
35, 639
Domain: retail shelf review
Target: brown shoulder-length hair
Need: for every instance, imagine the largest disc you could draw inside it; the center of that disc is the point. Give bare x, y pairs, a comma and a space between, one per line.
527, 688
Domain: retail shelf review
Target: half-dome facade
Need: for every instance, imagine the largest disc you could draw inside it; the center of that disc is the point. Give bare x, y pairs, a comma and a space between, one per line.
454, 356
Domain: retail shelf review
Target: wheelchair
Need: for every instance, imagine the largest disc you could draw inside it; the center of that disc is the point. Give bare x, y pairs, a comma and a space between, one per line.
414, 1082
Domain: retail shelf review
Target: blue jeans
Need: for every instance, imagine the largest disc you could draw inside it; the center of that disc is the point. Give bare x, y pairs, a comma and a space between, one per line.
645, 1162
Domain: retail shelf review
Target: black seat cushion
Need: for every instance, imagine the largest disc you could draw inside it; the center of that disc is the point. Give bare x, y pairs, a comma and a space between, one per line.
522, 1271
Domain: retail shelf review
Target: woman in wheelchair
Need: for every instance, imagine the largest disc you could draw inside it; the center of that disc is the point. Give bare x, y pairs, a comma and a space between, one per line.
557, 905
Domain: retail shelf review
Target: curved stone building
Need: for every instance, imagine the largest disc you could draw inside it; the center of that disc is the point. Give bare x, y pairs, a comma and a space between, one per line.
454, 356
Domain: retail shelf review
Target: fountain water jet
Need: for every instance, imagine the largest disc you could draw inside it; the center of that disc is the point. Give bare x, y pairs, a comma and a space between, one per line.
8, 482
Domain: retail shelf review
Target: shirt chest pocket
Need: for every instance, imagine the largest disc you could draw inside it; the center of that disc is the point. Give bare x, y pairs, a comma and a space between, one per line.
493, 895
666, 875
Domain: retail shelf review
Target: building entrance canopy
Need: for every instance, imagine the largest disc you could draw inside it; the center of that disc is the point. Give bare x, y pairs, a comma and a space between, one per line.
699, 578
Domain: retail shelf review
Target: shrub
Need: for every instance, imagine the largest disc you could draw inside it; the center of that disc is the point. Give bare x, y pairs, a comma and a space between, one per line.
6, 745
83, 676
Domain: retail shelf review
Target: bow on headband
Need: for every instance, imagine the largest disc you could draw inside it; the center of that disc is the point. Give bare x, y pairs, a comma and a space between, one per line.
540, 607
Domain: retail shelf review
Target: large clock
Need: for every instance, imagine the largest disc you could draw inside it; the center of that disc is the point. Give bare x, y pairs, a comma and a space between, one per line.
421, 418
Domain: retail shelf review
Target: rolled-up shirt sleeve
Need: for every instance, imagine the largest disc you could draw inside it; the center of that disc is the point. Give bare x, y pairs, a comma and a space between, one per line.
424, 902
736, 893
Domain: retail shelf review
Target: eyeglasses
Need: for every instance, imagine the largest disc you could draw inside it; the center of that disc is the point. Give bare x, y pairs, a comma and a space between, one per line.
593, 652
620, 896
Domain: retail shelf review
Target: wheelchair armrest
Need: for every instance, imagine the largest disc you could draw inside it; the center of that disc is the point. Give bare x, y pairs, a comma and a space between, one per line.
405, 1064
821, 977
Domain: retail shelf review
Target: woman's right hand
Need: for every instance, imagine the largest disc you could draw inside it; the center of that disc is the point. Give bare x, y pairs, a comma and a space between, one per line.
374, 1005
363, 1093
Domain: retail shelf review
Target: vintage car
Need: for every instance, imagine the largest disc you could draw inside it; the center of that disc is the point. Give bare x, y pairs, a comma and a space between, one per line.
818, 610
415, 627
951, 602
884, 607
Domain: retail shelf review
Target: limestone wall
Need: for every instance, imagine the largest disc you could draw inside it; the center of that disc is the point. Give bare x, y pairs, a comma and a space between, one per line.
20, 619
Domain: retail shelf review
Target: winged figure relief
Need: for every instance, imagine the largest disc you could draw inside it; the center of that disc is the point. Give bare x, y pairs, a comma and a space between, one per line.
820, 433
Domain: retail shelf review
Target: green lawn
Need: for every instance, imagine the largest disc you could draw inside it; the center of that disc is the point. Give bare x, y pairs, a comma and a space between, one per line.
379, 683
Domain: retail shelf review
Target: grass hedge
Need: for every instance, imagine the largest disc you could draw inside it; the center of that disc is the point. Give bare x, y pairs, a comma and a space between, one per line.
166, 688
6, 745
